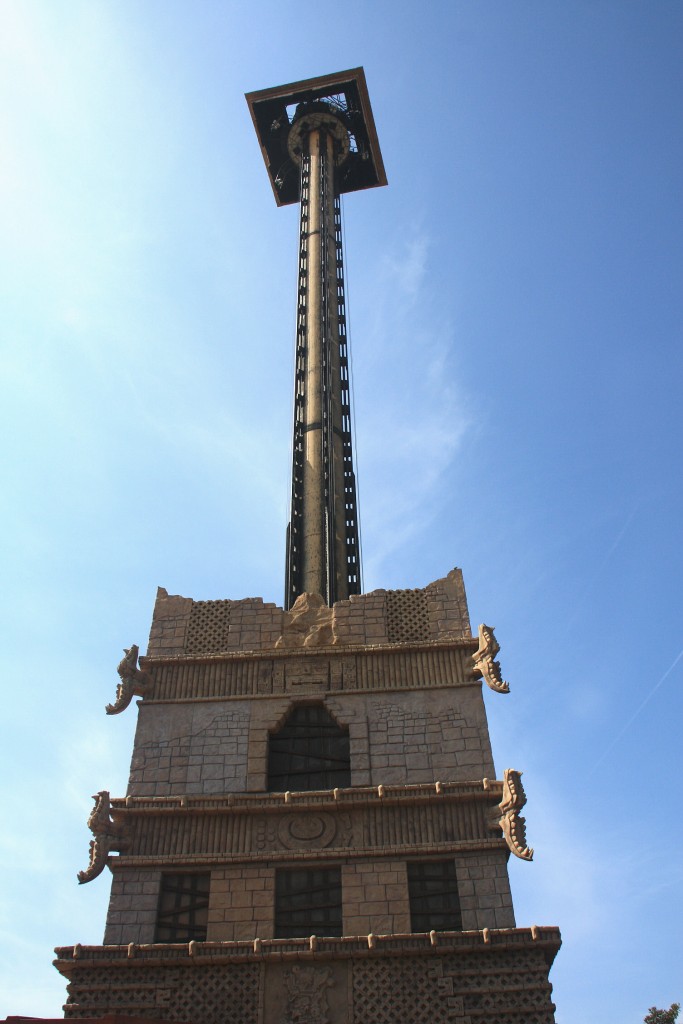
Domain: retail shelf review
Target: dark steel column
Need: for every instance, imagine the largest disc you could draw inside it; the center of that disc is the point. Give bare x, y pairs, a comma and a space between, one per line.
322, 538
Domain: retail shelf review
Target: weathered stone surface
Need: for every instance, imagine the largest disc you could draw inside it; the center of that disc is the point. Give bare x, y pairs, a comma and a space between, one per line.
435, 612
309, 623
190, 748
395, 669
221, 746
500, 977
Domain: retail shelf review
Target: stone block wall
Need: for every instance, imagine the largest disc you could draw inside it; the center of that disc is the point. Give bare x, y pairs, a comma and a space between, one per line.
183, 626
190, 748
374, 898
402, 738
133, 906
375, 895
241, 903
435, 612
169, 624
484, 888
418, 737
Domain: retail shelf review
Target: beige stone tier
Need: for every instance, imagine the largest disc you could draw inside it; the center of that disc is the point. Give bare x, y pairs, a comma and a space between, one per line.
470, 977
400, 674
436, 612
370, 834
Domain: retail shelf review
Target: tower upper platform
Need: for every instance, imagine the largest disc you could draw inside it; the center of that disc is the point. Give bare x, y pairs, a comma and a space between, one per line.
346, 94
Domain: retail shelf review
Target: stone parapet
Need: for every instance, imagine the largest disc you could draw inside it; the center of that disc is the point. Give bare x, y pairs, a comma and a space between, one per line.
181, 626
496, 976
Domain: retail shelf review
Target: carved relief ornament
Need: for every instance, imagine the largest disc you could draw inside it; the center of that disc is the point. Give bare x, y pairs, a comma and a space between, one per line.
307, 1001
303, 832
514, 826
484, 663
134, 682
108, 835
309, 623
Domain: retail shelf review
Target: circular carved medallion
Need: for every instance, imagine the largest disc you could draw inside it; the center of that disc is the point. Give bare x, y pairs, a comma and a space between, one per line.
298, 831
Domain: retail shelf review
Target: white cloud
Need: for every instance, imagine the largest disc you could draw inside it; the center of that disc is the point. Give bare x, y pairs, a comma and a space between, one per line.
415, 419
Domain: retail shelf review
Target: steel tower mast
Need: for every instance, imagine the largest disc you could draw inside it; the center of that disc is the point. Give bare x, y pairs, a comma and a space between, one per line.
318, 140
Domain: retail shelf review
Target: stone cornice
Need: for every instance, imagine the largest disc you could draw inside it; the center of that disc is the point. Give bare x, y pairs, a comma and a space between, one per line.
469, 643
72, 959
490, 790
289, 856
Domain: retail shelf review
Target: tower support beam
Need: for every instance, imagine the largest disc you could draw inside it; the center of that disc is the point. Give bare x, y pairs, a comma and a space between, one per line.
314, 511
323, 128
322, 540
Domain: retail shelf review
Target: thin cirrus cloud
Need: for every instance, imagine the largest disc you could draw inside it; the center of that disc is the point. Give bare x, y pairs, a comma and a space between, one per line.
412, 425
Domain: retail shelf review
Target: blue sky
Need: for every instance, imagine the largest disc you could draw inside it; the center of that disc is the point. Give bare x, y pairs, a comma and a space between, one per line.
515, 315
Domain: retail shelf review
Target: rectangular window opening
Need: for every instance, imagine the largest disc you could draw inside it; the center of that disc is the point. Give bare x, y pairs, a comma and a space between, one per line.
183, 911
434, 899
308, 901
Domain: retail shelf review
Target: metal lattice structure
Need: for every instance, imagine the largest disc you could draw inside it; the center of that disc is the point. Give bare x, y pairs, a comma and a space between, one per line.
323, 129
309, 752
339, 512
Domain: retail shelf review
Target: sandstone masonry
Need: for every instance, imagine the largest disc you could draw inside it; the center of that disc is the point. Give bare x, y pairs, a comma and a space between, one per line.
401, 672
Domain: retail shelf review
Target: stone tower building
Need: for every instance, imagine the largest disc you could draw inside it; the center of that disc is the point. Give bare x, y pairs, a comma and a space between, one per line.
314, 830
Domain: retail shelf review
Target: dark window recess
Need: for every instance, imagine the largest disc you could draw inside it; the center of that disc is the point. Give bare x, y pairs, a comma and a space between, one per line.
308, 902
310, 751
434, 900
183, 908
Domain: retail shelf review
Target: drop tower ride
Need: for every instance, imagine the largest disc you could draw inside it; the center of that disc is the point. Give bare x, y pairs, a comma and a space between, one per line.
313, 829
319, 141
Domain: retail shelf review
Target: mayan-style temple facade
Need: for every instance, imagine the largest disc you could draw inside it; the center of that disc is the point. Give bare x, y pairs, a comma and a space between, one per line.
314, 830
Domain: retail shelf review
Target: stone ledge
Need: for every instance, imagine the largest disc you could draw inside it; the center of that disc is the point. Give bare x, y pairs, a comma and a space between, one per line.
71, 959
451, 847
308, 690
454, 818
487, 789
272, 653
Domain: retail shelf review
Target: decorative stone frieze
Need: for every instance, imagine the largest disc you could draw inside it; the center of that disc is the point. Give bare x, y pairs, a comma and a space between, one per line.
412, 667
356, 822
497, 976
313, 831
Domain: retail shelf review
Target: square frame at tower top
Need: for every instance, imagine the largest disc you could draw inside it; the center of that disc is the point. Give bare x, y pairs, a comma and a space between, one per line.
272, 109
